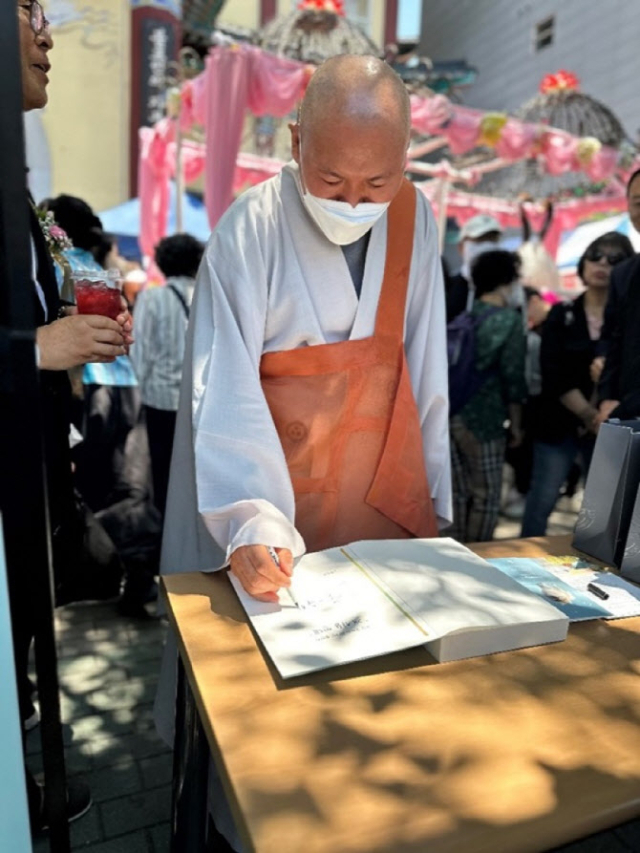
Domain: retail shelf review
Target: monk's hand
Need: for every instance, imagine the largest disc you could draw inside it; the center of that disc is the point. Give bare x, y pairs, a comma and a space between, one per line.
259, 573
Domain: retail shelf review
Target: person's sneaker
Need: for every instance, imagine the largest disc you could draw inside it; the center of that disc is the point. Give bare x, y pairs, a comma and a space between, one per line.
78, 803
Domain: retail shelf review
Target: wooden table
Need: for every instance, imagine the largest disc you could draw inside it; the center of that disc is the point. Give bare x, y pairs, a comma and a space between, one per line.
519, 751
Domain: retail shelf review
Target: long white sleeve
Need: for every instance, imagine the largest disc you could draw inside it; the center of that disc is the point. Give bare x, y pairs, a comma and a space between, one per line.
270, 281
243, 485
426, 350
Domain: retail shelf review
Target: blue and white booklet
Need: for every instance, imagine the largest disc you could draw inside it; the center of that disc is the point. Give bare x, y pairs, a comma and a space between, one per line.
581, 590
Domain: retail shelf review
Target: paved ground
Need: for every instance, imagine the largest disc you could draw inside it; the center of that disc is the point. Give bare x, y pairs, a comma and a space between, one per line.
108, 667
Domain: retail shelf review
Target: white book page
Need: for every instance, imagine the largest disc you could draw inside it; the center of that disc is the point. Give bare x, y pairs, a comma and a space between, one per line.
445, 587
341, 615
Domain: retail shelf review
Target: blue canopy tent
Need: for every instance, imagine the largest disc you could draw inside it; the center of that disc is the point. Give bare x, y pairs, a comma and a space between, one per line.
124, 221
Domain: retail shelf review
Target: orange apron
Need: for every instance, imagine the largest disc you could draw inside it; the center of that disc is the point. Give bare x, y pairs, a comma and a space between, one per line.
348, 422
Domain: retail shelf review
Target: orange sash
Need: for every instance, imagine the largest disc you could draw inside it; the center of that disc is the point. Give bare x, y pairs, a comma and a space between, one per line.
348, 422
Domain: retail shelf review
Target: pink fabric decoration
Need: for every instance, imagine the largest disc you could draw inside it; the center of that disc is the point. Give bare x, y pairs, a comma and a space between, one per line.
243, 77
227, 74
558, 152
236, 78
429, 115
567, 215
463, 130
603, 164
276, 84
187, 115
251, 170
153, 183
193, 160
199, 97
516, 141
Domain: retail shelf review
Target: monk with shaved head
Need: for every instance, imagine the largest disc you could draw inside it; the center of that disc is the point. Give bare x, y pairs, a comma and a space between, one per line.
314, 406
352, 135
317, 350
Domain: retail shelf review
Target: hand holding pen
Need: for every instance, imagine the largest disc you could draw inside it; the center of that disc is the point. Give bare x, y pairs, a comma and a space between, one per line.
276, 559
259, 573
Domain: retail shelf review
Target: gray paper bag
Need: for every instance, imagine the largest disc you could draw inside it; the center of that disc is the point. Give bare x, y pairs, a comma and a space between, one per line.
609, 496
630, 567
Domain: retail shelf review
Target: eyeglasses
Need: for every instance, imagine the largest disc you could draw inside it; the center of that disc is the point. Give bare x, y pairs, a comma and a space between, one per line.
612, 258
36, 17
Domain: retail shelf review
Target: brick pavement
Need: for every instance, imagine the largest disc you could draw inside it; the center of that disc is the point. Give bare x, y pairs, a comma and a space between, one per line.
108, 668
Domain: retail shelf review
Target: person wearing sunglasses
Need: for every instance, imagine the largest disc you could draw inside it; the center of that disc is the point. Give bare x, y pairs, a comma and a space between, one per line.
567, 421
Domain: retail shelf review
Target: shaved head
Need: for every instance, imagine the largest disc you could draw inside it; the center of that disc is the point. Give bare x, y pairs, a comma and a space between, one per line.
352, 134
360, 89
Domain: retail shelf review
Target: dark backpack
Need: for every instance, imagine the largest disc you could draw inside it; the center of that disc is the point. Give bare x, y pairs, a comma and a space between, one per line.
465, 379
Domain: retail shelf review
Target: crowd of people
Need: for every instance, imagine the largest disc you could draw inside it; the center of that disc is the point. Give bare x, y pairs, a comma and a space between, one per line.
551, 373
304, 377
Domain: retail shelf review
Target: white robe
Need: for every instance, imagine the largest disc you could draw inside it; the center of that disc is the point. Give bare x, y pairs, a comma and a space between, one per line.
271, 281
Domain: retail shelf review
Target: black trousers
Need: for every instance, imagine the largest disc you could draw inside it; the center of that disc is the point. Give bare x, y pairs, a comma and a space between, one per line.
110, 413
161, 425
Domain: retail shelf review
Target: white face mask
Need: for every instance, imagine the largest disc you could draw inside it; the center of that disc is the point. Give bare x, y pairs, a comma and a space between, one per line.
514, 296
339, 222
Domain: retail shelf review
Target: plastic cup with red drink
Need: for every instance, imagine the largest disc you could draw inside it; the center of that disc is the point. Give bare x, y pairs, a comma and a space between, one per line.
98, 292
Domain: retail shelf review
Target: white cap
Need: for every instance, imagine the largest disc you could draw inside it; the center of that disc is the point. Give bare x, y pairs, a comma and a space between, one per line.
478, 226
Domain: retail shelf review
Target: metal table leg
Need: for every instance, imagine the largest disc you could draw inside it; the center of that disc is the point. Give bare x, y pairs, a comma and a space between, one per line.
190, 773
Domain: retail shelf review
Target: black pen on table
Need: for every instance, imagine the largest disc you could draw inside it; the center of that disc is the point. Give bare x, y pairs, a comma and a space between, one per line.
599, 593
276, 560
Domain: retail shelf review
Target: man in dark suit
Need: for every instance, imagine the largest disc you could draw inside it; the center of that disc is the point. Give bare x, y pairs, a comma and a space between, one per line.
64, 339
619, 347
619, 388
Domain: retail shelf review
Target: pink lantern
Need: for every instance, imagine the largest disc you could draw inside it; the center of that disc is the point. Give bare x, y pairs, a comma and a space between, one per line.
429, 115
463, 130
558, 152
603, 164
517, 140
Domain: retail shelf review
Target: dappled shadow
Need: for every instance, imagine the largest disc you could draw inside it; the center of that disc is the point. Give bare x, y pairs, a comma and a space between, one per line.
519, 751
108, 670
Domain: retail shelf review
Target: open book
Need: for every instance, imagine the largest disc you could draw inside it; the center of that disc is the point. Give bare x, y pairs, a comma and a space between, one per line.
375, 597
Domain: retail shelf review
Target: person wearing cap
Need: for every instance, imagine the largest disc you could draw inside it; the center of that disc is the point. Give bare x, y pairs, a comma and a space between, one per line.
479, 234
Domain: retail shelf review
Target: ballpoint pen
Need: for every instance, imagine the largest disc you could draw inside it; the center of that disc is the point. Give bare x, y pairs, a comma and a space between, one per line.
276, 560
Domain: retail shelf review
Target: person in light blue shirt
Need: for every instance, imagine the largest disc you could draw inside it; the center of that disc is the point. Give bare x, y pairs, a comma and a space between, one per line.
162, 317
